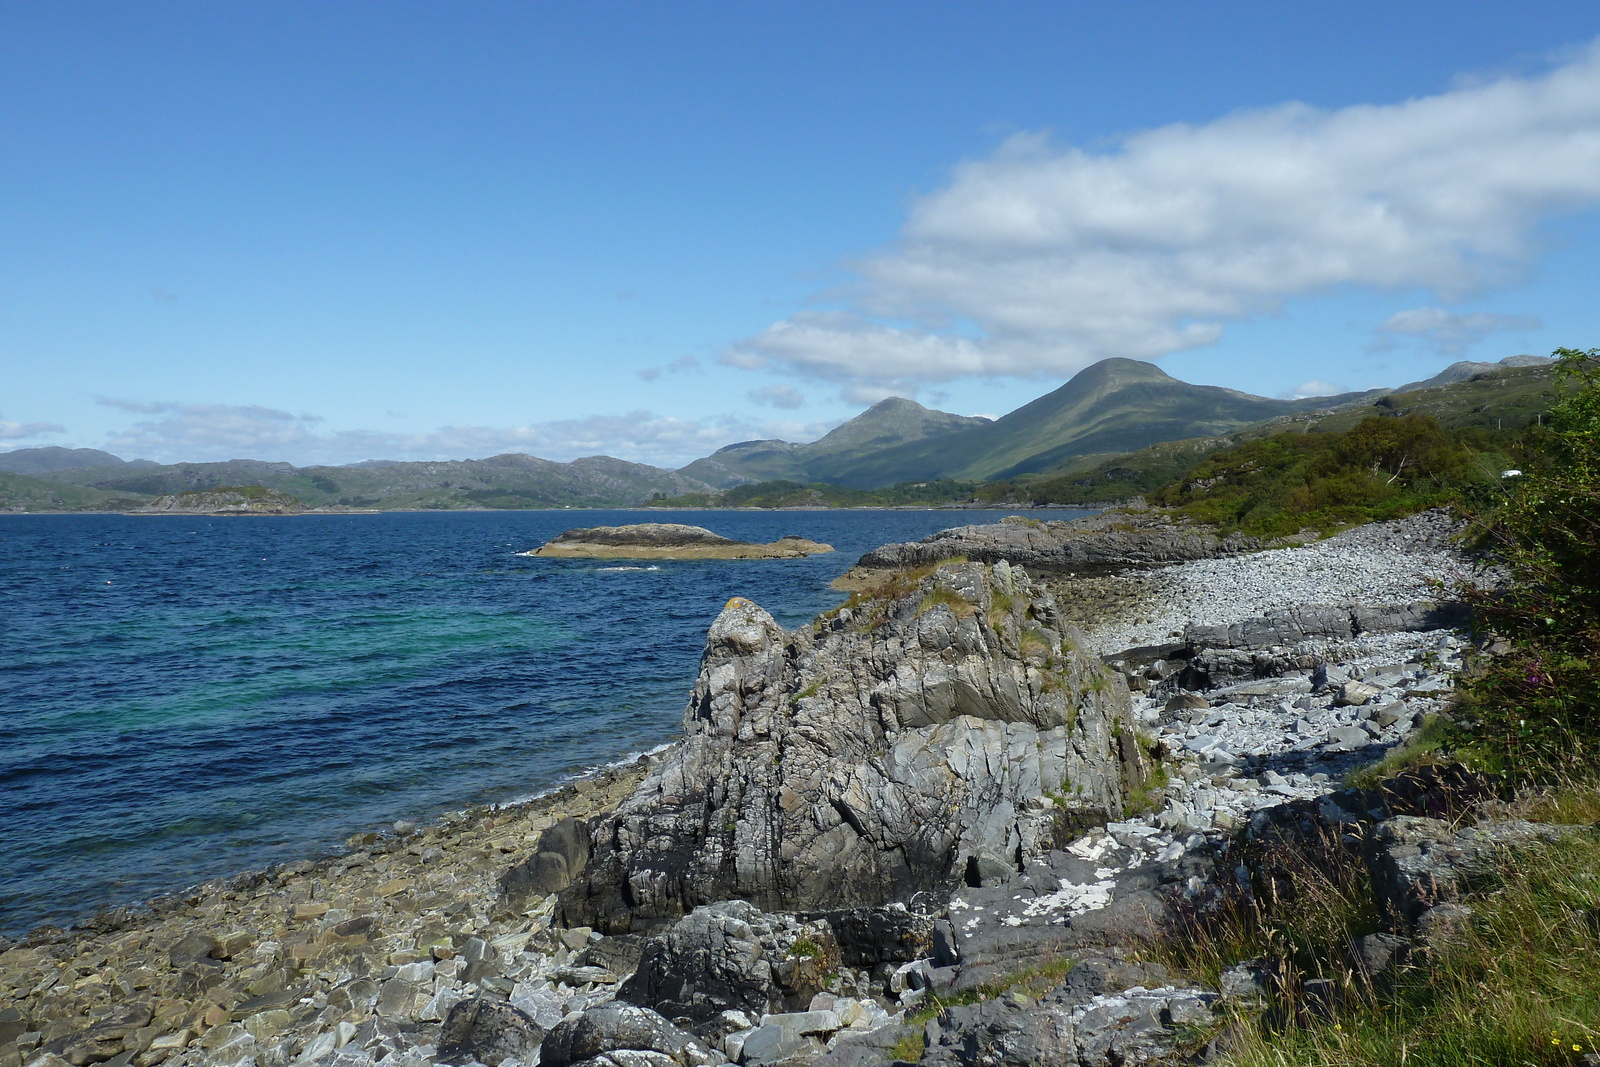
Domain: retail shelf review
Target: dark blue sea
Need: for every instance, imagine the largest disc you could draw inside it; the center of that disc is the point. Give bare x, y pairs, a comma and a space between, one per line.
187, 697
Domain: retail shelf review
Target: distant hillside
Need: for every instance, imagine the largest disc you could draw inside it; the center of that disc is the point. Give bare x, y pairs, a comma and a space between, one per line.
1465, 369
228, 500
1116, 405
512, 480
1505, 397
886, 424
748, 462
18, 492
54, 458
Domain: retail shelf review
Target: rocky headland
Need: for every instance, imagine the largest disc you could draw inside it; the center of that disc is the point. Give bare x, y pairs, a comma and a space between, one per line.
951, 821
243, 500
669, 540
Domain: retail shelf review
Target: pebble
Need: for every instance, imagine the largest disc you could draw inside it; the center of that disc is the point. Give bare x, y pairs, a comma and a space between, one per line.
263, 970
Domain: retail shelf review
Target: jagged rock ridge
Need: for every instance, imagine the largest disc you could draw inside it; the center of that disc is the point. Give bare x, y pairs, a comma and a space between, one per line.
940, 728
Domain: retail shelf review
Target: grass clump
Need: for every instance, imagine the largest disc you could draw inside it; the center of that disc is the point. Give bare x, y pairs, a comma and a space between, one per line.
805, 948
1149, 795
1436, 737
873, 603
940, 596
1517, 984
909, 1049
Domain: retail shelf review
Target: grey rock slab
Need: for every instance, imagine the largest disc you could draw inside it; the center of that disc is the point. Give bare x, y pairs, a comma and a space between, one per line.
620, 1026
863, 759
489, 1032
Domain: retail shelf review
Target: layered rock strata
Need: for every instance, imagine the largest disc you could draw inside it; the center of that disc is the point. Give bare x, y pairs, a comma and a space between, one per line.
1111, 541
939, 729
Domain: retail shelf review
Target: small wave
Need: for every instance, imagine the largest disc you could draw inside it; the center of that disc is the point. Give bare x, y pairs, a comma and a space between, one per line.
589, 772
604, 570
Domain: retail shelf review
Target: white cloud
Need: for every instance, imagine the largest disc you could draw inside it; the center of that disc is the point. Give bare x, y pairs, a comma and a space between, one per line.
210, 431
1313, 388
1449, 333
1041, 259
778, 396
200, 432
21, 431
799, 432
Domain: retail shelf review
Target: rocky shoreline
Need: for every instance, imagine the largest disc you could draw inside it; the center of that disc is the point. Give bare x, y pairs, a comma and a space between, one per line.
974, 786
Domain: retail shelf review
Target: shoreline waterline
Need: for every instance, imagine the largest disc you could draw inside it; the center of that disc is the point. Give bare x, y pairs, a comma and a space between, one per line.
198, 698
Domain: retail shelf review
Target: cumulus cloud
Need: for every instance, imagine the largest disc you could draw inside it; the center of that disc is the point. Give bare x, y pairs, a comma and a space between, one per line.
210, 431
1312, 388
778, 396
1043, 258
21, 431
1446, 332
199, 432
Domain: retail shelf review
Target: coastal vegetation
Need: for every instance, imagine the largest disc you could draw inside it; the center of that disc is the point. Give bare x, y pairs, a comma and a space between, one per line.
1511, 979
1381, 468
1539, 703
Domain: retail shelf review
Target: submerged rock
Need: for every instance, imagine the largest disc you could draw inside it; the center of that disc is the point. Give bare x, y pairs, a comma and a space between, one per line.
669, 540
942, 724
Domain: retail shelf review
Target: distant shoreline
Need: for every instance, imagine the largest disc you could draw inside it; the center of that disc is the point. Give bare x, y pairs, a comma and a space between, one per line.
1094, 506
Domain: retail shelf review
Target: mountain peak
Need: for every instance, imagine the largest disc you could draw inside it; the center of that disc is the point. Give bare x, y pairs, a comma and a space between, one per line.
890, 404
891, 421
1119, 371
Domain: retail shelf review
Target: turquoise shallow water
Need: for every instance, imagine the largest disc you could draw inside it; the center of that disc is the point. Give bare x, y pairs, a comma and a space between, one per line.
182, 698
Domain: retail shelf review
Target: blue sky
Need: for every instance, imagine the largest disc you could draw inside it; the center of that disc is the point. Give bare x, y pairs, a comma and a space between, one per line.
333, 232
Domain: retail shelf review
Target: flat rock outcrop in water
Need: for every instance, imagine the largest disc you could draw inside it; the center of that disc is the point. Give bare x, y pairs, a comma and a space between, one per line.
669, 540
942, 728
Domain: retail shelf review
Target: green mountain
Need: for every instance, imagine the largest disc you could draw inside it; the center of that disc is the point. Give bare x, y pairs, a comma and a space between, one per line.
18, 492
1505, 396
512, 480
890, 423
55, 458
748, 462
1116, 405
1467, 369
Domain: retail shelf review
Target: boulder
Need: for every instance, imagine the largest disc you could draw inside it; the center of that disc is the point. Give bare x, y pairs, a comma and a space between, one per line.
732, 957
1420, 863
946, 718
561, 855
488, 1031
624, 1027
1137, 1025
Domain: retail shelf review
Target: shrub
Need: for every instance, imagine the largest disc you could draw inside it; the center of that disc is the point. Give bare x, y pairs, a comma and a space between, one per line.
1539, 705
1382, 468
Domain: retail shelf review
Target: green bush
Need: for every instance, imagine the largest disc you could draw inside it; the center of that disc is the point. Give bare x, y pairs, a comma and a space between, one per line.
1382, 468
1539, 704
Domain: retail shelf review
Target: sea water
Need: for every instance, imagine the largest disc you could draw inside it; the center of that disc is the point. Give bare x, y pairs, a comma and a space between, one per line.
187, 697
